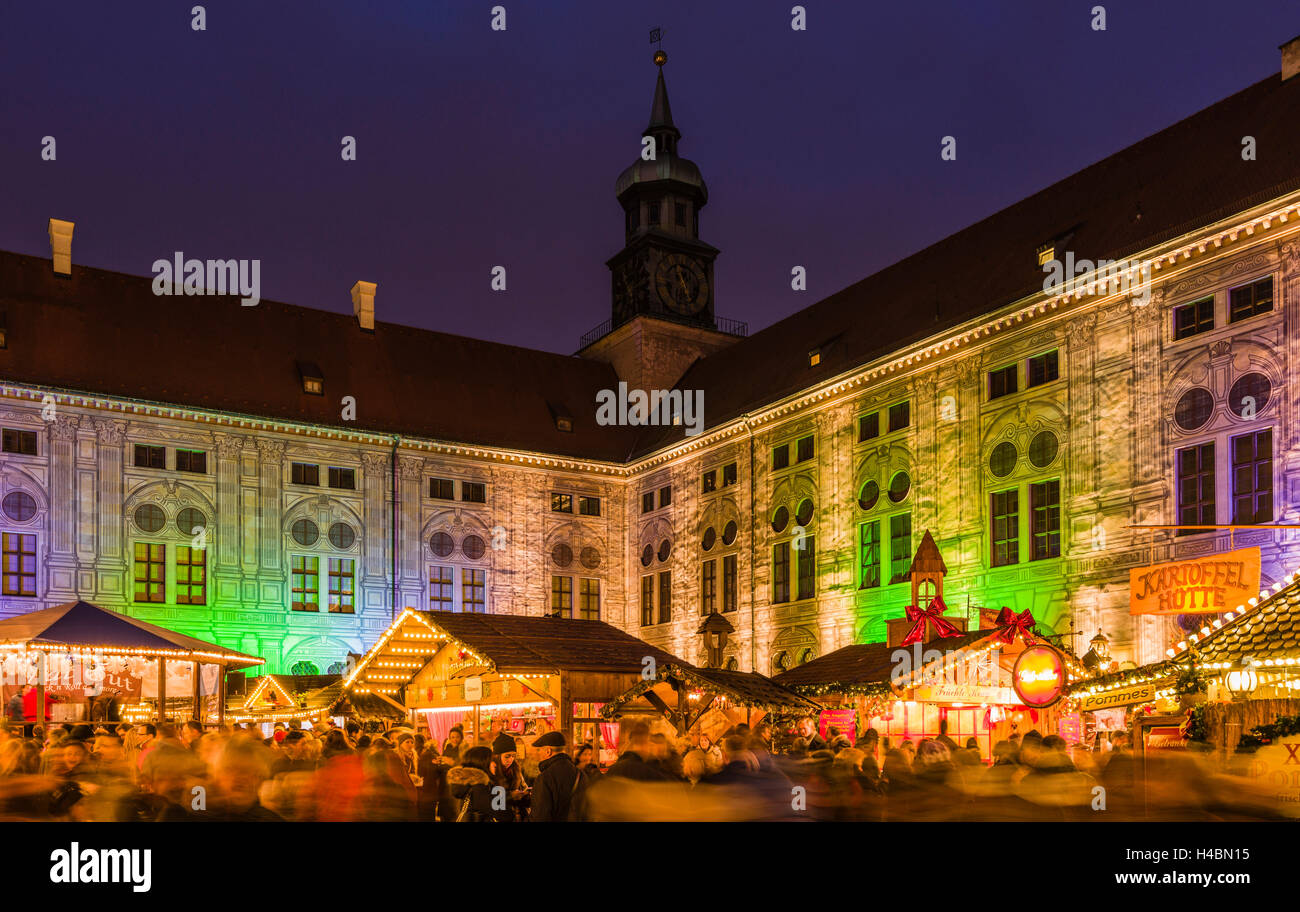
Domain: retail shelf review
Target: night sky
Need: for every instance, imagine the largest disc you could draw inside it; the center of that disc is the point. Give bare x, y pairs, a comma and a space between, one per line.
479, 148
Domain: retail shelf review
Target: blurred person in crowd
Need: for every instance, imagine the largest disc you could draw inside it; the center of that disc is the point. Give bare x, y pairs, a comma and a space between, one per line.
808, 732
168, 778
471, 787
190, 733
433, 800
585, 760
15, 709
695, 766
664, 757
636, 762
242, 768
561, 786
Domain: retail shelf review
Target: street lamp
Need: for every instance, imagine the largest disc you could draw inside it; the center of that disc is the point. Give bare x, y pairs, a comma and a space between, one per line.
1101, 645
1242, 680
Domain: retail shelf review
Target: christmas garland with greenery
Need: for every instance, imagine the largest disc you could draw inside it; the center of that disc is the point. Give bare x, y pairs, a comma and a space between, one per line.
1267, 734
1197, 726
1189, 681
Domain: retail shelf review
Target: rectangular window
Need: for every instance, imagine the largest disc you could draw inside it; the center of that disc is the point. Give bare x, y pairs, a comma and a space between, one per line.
589, 599
20, 442
900, 416
808, 568
665, 596
708, 587
679, 212
1251, 300
709, 481
900, 546
1045, 520
195, 461
301, 473
473, 492
191, 576
150, 572
728, 474
440, 591
729, 582
665, 496
781, 572
1002, 382
804, 449
1196, 482
473, 591
1006, 528
562, 596
561, 503
1041, 369
868, 427
647, 601
648, 502
589, 506
780, 457
346, 479
149, 457
1252, 477
305, 581
343, 599
442, 489
869, 554
1193, 318
19, 564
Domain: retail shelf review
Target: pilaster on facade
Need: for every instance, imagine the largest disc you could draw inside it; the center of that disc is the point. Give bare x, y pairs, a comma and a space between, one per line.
270, 503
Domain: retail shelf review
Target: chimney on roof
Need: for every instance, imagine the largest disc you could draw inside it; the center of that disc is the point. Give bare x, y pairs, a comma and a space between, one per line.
61, 245
1290, 58
363, 304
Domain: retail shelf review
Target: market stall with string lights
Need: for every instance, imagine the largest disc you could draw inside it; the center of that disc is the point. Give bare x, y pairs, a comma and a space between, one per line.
298, 700
932, 674
491, 673
86, 662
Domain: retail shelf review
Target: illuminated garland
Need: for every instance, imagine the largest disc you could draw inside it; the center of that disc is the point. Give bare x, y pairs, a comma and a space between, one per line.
701, 684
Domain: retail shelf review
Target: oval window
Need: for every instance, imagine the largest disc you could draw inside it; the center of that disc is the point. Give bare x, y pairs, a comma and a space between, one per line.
665, 548
590, 558
304, 532
342, 536
1249, 395
804, 514
442, 544
472, 546
647, 555
562, 555
191, 521
1042, 449
1002, 461
729, 532
150, 517
710, 538
899, 485
868, 496
19, 506
780, 519
1194, 409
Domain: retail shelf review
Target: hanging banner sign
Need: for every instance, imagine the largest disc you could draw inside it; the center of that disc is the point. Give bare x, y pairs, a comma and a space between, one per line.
1039, 676
1124, 696
1204, 585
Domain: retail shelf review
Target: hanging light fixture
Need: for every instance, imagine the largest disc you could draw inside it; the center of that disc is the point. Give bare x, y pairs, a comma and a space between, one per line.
1242, 680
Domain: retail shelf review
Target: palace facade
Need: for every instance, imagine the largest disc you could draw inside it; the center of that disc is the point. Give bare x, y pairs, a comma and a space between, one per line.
281, 480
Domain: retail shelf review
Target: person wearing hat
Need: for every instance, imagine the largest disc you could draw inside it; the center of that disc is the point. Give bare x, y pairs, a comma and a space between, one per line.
560, 786
510, 775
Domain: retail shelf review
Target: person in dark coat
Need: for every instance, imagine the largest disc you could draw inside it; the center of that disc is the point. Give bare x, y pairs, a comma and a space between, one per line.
635, 763
471, 786
561, 787
508, 774
434, 802
808, 731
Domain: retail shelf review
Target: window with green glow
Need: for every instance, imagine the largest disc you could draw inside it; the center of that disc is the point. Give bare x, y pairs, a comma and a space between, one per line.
305, 576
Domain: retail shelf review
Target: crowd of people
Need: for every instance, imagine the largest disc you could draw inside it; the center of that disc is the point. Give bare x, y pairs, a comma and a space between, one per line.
182, 771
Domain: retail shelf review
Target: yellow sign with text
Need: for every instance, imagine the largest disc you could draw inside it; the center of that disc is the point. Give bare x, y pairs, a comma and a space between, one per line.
1203, 585
1124, 696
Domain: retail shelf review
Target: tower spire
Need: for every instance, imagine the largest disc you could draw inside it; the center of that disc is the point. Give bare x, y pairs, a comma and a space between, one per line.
661, 125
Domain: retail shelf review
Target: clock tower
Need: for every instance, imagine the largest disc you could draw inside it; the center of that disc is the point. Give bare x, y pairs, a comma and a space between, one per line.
664, 269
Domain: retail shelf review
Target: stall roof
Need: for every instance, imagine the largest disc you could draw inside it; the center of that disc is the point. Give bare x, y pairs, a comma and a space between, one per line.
1268, 631
743, 688
81, 625
864, 667
311, 695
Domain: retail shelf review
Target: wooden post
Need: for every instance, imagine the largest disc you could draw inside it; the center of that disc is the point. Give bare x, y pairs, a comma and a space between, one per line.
196, 697
221, 694
566, 709
162, 688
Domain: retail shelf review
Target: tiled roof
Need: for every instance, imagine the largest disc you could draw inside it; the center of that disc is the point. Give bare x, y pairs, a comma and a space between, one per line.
1271, 630
516, 643
115, 337
865, 664
741, 688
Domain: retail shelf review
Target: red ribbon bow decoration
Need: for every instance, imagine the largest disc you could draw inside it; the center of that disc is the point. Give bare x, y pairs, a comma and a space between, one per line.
1010, 624
932, 616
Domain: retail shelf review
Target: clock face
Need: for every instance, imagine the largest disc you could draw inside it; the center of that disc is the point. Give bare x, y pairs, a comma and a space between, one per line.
682, 284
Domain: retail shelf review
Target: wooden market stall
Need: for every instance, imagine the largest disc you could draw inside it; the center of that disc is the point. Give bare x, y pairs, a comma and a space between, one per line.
87, 661
932, 674
307, 699
491, 673
708, 701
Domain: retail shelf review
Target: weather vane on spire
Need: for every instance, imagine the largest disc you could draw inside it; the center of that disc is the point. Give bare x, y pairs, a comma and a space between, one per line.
656, 38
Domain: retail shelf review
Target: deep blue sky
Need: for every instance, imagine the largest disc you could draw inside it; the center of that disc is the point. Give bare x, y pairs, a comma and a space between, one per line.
478, 148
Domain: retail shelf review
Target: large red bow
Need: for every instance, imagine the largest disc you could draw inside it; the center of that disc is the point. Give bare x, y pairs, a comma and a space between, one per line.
932, 616
1011, 624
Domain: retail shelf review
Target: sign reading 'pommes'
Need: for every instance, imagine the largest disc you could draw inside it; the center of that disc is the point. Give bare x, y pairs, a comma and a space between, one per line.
1204, 585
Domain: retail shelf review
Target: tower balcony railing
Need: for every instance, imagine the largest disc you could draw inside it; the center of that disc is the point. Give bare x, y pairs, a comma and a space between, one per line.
722, 324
